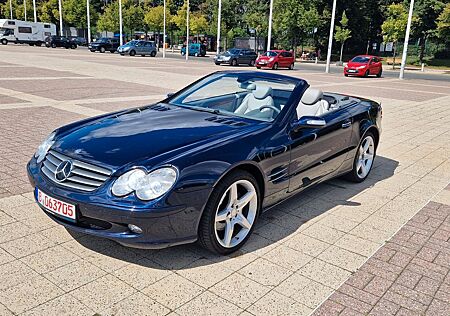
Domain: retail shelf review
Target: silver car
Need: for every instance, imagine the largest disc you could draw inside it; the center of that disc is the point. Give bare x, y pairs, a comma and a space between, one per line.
137, 47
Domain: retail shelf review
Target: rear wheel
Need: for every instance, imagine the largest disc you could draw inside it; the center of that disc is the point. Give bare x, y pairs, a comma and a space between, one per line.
275, 66
230, 214
234, 62
132, 53
53, 45
252, 63
102, 50
4, 41
291, 66
39, 44
364, 158
153, 54
196, 54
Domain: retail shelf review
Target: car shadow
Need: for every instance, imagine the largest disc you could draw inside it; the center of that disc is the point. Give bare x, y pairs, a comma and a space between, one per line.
286, 217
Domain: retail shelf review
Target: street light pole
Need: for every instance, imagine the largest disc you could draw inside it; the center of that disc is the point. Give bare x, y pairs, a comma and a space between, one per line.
187, 31
269, 34
405, 45
88, 13
219, 18
60, 19
34, 10
10, 9
25, 9
164, 31
330, 38
120, 23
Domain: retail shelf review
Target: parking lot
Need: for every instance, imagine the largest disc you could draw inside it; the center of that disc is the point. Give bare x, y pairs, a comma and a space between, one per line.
303, 251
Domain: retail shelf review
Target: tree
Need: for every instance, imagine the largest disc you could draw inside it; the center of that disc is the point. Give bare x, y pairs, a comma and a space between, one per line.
198, 24
393, 28
75, 13
443, 24
109, 20
342, 33
426, 13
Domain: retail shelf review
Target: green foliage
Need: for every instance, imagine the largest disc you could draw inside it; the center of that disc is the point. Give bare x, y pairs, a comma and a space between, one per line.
154, 18
393, 28
75, 13
443, 24
342, 32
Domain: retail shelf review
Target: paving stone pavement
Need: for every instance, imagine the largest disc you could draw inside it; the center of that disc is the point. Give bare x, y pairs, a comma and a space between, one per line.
323, 242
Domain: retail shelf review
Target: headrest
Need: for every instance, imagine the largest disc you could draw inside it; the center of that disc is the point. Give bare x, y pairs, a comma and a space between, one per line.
262, 92
247, 86
311, 96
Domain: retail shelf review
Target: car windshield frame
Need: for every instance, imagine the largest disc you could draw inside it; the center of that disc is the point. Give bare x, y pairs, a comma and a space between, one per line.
241, 78
360, 59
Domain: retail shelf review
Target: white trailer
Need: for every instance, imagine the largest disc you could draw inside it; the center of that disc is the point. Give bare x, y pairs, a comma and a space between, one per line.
16, 31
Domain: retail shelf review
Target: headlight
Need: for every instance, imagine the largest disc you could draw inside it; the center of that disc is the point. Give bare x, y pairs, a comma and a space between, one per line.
361, 67
126, 48
146, 186
44, 147
271, 59
226, 57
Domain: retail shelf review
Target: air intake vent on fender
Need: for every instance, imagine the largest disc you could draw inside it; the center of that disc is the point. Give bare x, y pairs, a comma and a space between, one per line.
225, 121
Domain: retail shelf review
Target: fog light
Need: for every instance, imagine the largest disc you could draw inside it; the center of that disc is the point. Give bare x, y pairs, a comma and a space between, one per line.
135, 229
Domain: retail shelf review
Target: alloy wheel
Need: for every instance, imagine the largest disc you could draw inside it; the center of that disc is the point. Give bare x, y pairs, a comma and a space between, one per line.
236, 213
365, 157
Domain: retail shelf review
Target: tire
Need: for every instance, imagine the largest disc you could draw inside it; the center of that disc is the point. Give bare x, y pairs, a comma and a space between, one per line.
366, 74
196, 54
355, 175
112, 51
39, 44
212, 232
379, 73
153, 54
132, 53
291, 66
67, 47
252, 63
73, 46
4, 41
53, 45
258, 67
217, 64
346, 75
234, 62
102, 50
275, 66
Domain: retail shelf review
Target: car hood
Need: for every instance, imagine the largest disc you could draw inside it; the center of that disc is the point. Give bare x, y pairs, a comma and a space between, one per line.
264, 57
353, 64
147, 134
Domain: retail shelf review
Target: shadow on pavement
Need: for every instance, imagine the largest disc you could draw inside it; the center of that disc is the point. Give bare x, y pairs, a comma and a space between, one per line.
298, 210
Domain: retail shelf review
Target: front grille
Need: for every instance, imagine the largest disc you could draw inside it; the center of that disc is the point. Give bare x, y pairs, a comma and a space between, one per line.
84, 176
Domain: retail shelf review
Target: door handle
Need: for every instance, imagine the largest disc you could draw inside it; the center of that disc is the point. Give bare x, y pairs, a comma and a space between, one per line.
346, 124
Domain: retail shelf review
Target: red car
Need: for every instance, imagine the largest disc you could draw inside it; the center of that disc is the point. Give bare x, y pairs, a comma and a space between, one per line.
275, 59
363, 66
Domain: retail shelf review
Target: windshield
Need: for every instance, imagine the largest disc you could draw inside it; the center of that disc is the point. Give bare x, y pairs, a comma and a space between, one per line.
102, 40
131, 43
243, 95
270, 54
232, 52
361, 59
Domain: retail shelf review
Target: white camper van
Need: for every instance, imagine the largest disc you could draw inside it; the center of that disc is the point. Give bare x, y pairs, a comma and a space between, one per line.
17, 31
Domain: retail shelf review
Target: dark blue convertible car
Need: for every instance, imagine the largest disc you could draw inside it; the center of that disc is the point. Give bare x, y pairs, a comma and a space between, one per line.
202, 164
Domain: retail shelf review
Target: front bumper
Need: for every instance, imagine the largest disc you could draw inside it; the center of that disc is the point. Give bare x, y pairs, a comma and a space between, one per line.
221, 61
355, 72
163, 224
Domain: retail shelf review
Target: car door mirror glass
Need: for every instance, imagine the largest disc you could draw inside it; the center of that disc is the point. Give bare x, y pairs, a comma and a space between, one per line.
309, 122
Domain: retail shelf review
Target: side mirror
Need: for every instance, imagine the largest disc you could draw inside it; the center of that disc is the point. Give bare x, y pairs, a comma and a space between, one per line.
309, 122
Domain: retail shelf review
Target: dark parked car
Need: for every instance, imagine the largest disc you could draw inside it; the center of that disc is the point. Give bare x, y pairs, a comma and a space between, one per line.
236, 56
204, 163
59, 41
80, 41
104, 44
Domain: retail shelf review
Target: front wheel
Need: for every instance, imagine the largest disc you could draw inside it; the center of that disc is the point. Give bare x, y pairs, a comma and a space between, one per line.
291, 66
234, 62
102, 50
379, 73
132, 53
366, 74
275, 66
230, 214
153, 54
4, 41
252, 63
363, 162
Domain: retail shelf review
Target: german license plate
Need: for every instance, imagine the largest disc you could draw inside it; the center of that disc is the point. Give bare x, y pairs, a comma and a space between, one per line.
351, 70
56, 206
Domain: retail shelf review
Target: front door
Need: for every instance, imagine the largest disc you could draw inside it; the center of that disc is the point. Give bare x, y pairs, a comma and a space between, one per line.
318, 152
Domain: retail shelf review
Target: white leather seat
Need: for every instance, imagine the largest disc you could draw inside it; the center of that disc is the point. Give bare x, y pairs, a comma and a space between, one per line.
259, 97
312, 103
